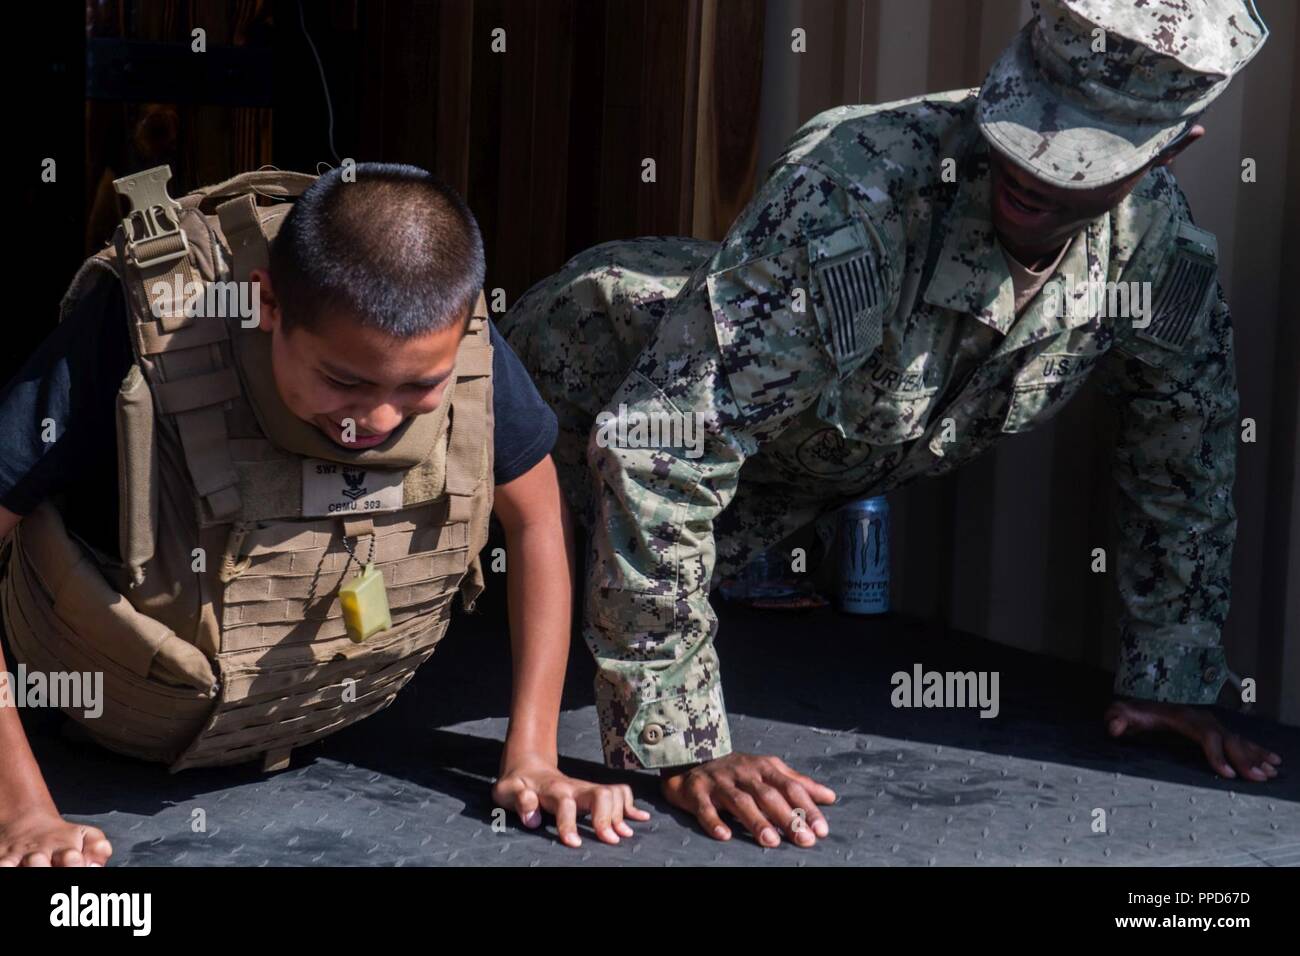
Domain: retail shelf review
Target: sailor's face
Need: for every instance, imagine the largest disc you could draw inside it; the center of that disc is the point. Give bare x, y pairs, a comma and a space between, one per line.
1034, 218
340, 371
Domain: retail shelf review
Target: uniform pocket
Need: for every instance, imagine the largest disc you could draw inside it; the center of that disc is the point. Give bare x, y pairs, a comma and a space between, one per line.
770, 345
896, 417
899, 402
1044, 386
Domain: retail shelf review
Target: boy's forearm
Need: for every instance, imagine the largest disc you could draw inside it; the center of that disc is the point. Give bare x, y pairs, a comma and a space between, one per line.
21, 783
540, 562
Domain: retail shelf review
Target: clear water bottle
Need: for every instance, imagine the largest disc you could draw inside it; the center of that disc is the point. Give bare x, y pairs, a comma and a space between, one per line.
764, 577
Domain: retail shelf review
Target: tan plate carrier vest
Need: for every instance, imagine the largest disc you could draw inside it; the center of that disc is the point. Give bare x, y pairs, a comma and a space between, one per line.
237, 650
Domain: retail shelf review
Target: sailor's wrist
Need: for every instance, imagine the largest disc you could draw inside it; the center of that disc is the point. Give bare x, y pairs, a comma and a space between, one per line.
667, 772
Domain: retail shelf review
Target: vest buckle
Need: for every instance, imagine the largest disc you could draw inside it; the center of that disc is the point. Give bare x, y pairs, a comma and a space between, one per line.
152, 227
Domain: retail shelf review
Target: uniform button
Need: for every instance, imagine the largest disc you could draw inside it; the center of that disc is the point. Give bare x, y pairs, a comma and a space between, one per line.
1211, 675
652, 734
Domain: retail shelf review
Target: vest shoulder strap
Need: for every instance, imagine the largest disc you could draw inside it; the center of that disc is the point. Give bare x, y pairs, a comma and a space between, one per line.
168, 253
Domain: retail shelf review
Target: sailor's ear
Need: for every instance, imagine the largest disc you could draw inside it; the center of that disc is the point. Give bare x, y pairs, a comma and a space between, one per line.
1171, 152
268, 305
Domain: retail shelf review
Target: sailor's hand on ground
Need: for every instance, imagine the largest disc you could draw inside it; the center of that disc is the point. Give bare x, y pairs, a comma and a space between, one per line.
1229, 754
762, 792
530, 787
40, 837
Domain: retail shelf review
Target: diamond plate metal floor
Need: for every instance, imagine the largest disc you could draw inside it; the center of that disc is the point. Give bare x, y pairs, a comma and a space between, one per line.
917, 787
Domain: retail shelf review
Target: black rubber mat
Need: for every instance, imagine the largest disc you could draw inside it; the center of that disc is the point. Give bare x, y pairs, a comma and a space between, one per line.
410, 786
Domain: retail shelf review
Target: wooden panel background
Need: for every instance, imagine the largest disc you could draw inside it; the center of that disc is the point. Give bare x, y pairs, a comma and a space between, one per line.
202, 142
547, 139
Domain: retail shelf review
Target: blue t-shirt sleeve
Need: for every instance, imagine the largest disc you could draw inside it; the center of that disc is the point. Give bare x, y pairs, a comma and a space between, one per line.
524, 425
66, 391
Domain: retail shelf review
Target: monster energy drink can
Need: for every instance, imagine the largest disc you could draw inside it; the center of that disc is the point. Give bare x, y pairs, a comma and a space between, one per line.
864, 556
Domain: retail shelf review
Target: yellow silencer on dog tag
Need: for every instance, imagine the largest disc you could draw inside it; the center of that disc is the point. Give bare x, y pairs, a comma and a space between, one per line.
365, 604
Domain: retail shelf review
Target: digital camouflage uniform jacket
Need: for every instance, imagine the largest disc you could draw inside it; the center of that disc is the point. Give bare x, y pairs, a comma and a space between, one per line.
855, 330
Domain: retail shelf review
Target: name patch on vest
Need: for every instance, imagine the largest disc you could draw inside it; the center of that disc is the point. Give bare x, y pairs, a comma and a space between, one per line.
329, 488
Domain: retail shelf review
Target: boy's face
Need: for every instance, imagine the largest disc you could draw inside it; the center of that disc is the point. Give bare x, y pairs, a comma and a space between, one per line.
342, 370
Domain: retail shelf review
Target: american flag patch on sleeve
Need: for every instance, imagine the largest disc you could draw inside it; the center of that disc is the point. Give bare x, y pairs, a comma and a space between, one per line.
1182, 296
851, 292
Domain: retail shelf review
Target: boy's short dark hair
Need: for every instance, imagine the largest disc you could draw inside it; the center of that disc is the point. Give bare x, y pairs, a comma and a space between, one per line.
397, 249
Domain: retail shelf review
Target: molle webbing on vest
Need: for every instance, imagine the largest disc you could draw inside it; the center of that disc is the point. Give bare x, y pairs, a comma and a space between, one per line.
185, 357
185, 360
182, 355
285, 650
284, 579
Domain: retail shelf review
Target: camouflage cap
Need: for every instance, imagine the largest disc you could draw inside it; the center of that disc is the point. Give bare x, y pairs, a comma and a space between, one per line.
1091, 90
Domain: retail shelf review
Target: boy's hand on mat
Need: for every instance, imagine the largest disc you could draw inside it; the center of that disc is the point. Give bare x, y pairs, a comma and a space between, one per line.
1229, 754
762, 792
531, 786
38, 836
